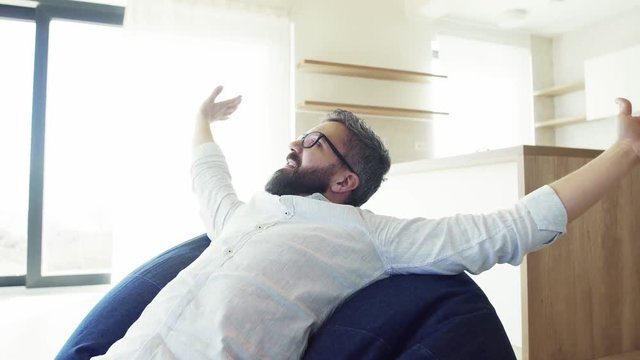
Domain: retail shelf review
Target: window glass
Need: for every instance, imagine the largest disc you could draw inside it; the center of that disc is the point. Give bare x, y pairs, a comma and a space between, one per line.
17, 39
84, 80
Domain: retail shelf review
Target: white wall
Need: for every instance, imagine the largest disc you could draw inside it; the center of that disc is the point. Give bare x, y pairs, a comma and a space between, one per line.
373, 33
490, 96
569, 53
377, 33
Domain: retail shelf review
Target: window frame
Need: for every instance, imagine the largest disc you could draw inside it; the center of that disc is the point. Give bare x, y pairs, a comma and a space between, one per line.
42, 14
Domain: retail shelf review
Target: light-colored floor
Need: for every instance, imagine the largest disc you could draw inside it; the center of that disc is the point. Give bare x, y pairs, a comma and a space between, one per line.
36, 322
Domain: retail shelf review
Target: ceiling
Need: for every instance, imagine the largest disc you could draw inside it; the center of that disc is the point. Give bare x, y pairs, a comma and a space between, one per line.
541, 17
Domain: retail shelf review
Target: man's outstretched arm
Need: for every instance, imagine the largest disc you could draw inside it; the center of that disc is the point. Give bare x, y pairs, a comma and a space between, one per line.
581, 189
209, 172
211, 111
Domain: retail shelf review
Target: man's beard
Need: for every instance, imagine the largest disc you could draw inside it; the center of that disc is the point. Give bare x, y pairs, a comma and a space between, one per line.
299, 181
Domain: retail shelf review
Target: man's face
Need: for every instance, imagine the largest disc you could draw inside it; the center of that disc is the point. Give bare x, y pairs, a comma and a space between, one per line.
310, 170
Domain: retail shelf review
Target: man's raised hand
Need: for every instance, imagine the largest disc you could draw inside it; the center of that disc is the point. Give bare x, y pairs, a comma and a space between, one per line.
628, 126
582, 188
210, 111
213, 111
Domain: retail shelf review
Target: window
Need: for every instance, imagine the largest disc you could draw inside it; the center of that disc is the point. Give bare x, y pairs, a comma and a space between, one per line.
16, 72
83, 67
54, 190
102, 166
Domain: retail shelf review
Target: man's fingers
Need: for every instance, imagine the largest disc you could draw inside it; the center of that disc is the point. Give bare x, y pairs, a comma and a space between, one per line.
231, 102
216, 92
237, 99
222, 109
230, 111
625, 106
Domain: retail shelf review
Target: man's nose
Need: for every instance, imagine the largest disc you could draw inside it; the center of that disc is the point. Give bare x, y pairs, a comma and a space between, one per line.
296, 145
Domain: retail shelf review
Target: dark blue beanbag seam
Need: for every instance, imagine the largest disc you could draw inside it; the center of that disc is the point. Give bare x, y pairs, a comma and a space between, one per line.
419, 352
478, 336
150, 281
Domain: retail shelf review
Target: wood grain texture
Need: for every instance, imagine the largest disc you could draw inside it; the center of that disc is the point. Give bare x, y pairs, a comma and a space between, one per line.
582, 294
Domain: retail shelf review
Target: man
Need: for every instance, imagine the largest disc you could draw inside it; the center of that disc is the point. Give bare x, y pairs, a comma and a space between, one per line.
280, 263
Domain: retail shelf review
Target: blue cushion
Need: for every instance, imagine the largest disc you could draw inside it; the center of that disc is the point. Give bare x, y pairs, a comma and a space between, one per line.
109, 320
414, 317
404, 316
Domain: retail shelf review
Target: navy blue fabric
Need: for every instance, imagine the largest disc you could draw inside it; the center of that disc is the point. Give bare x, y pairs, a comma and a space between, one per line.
406, 316
414, 317
109, 320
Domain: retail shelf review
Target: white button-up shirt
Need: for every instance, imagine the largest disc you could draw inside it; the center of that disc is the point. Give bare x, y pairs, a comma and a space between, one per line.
279, 265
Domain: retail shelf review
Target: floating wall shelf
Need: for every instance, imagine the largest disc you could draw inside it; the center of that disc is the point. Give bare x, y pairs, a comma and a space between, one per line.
312, 105
560, 89
561, 121
370, 72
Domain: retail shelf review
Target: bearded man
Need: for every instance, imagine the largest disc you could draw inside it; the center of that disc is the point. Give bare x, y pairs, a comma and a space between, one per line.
280, 263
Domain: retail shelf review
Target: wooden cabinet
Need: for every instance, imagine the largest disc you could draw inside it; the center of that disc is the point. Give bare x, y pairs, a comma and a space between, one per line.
579, 298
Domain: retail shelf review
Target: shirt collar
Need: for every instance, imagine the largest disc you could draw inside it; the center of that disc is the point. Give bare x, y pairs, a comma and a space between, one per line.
317, 196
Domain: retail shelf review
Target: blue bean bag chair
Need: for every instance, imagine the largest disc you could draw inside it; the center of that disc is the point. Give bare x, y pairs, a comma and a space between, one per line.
400, 317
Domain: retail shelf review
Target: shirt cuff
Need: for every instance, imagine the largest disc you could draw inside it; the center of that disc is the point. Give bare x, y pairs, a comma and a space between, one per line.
547, 210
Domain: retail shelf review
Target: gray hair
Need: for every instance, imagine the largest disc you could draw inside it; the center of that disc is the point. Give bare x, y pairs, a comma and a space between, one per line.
366, 154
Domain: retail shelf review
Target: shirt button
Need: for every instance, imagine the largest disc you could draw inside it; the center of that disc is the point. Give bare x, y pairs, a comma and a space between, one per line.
286, 213
228, 251
259, 227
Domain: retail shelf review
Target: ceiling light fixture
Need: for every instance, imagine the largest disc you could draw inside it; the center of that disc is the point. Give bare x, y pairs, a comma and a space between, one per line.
512, 19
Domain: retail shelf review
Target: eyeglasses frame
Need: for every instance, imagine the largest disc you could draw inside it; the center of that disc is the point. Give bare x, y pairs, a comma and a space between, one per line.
333, 148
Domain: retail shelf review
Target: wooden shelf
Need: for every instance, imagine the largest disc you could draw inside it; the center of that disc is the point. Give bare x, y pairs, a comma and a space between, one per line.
370, 110
370, 72
560, 89
561, 121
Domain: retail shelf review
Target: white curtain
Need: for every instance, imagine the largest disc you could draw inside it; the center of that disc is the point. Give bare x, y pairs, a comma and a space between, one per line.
178, 51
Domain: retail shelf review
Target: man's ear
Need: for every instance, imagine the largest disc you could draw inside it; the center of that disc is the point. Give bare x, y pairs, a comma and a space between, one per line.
348, 182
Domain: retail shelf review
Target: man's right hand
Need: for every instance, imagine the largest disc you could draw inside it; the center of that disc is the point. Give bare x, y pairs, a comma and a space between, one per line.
213, 111
584, 187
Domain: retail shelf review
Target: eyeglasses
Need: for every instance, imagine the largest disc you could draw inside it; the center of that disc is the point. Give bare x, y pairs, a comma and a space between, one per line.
312, 138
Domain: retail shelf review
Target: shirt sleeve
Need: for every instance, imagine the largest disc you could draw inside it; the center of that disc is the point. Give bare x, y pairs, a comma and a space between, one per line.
211, 183
471, 243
